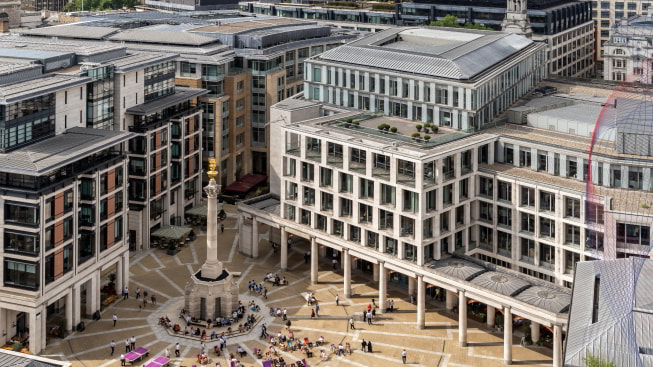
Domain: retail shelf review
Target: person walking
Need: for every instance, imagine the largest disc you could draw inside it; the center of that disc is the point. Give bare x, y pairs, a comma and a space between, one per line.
153, 298
307, 256
222, 228
127, 345
364, 346
369, 318
138, 293
166, 353
132, 341
317, 309
177, 347
125, 293
334, 262
115, 319
404, 354
337, 300
312, 313
352, 326
112, 345
369, 347
364, 315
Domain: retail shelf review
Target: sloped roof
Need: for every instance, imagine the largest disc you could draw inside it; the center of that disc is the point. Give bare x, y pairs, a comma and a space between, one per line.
71, 31
15, 359
459, 268
163, 37
505, 284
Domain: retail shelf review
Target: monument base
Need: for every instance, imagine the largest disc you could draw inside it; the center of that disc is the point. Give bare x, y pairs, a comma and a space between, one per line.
211, 298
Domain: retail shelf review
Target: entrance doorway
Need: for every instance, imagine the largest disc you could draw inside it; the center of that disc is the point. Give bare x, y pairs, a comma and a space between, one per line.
218, 308
364, 266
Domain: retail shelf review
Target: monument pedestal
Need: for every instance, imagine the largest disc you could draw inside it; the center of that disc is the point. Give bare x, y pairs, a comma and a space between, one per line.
211, 298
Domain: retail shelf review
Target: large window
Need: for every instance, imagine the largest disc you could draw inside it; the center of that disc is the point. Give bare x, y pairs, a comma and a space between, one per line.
21, 214
505, 191
21, 274
572, 208
527, 196
634, 234
386, 219
23, 243
547, 201
388, 195
411, 201
485, 187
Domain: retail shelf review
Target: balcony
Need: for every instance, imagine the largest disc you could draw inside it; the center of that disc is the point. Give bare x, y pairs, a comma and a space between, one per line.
527, 259
448, 175
486, 246
504, 252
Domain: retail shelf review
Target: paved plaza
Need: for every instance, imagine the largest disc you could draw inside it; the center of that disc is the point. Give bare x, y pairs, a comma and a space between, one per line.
166, 276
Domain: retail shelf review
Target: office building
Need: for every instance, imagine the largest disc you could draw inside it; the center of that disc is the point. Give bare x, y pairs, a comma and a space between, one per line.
607, 13
627, 55
459, 78
565, 27
247, 63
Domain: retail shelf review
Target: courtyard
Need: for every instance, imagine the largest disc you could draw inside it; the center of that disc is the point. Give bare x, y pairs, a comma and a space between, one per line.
166, 276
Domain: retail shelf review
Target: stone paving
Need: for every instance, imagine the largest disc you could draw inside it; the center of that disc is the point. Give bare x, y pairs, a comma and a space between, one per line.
156, 272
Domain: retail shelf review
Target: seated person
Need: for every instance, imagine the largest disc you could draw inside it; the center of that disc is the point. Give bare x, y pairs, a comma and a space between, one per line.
284, 281
214, 335
240, 328
197, 332
185, 330
279, 312
176, 328
229, 330
216, 349
241, 351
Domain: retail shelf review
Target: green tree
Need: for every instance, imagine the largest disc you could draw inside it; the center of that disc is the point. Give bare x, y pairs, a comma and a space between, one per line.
452, 22
593, 361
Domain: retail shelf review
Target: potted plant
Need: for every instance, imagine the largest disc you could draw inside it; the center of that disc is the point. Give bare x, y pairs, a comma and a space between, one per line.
393, 130
415, 136
419, 128
434, 128
381, 127
427, 138
386, 127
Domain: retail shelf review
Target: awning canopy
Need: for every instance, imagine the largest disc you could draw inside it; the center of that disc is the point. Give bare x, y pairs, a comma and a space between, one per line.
199, 211
172, 232
246, 183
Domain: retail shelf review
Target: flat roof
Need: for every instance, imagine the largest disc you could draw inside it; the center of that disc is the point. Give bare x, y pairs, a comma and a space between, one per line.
163, 37
77, 46
442, 52
60, 150
139, 60
71, 31
44, 84
181, 94
7, 68
247, 25
31, 54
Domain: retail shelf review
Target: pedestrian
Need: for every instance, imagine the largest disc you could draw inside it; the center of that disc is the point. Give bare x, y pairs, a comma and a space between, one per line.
373, 304
317, 309
153, 298
392, 305
369, 347
307, 256
166, 353
312, 313
265, 292
125, 293
132, 341
138, 292
115, 319
334, 262
351, 324
177, 347
144, 299
522, 342
404, 354
337, 300
364, 315
122, 359
127, 345
364, 346
112, 345
369, 317
222, 228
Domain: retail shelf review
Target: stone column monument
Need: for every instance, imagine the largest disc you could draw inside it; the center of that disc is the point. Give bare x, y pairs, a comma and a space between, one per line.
212, 291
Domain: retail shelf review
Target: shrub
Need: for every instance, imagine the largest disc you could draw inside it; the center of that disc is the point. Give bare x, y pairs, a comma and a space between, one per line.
393, 129
386, 127
415, 135
434, 128
383, 7
645, 206
593, 361
419, 127
427, 137
381, 127
350, 120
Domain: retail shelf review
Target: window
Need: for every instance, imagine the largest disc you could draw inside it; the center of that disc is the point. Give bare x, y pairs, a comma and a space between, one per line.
504, 244
615, 176
483, 154
365, 213
431, 200
444, 222
290, 212
547, 256
406, 169
485, 187
527, 223
407, 227
505, 216
542, 161
524, 158
505, 191
21, 214
387, 195
572, 168
21, 274
448, 169
547, 201
572, 235
386, 219
326, 177
463, 190
326, 200
547, 228
390, 246
320, 222
309, 196
372, 240
22, 243
635, 177
345, 207
317, 74
572, 208
527, 196
308, 173
358, 160
291, 167
595, 302
594, 213
346, 183
508, 154
354, 234
571, 258
527, 250
485, 211
366, 189
305, 217
447, 195
411, 201
633, 234
427, 228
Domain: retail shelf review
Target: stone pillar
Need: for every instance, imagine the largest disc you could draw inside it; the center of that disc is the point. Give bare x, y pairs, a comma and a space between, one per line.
77, 304
35, 332
491, 312
69, 310
382, 286
125, 271
421, 303
535, 331
90, 298
462, 319
450, 300
507, 336
255, 240
375, 271
212, 268
347, 270
557, 346
119, 272
314, 261
284, 249
411, 286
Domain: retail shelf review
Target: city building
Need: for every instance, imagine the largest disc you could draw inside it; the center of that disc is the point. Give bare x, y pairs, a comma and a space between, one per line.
247, 63
503, 214
611, 313
566, 27
9, 14
64, 195
10, 358
607, 13
627, 55
458, 78
191, 5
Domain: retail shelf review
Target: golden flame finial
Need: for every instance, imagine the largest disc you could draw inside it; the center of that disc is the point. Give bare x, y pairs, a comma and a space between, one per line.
212, 173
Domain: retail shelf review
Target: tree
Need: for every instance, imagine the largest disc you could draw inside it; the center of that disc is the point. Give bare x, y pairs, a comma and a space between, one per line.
593, 361
452, 22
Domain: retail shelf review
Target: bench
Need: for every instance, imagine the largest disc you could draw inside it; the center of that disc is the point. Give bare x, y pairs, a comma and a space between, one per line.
271, 280
109, 300
236, 274
201, 323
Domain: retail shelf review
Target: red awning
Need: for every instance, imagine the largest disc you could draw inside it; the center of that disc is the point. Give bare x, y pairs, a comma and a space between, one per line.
246, 183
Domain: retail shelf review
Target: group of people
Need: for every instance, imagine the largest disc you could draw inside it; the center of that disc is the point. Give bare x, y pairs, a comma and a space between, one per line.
125, 296
262, 290
274, 278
